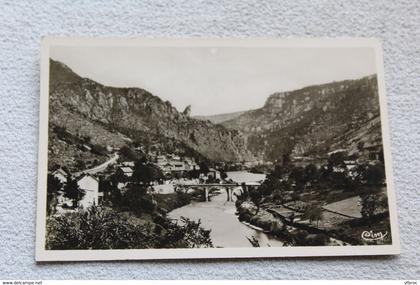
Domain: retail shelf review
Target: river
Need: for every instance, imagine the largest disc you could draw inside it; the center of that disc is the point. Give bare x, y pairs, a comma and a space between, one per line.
219, 216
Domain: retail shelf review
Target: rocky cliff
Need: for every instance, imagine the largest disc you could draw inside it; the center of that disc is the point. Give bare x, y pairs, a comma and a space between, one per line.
102, 112
313, 120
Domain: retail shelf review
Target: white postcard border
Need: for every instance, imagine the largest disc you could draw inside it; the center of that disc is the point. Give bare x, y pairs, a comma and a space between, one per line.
146, 254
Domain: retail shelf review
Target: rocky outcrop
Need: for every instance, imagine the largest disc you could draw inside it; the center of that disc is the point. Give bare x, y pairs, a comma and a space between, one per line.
313, 120
263, 219
138, 114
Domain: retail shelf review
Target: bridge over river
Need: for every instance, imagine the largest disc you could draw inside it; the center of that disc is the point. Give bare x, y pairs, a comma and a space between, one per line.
208, 188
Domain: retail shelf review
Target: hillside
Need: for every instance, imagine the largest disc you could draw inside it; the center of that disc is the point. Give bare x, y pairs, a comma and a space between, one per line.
220, 118
313, 120
110, 116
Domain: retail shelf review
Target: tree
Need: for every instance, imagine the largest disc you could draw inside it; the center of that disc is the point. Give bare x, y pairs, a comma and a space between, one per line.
311, 173
194, 174
297, 174
223, 175
101, 228
369, 206
109, 187
99, 149
375, 174
72, 191
256, 198
278, 171
145, 173
203, 167
138, 201
313, 213
270, 185
53, 186
336, 159
128, 153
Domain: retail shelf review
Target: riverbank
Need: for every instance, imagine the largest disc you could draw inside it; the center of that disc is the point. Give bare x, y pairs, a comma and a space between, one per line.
296, 229
171, 201
219, 216
280, 225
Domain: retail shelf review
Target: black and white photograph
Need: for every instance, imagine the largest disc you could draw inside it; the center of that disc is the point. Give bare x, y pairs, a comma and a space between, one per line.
162, 149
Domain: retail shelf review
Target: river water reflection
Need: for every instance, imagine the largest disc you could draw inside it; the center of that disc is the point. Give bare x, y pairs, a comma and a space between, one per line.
219, 216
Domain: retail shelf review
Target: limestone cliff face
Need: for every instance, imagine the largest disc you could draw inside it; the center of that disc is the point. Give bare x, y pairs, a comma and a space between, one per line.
135, 111
313, 120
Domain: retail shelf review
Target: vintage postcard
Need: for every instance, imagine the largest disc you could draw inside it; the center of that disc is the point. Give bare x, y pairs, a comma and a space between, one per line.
165, 149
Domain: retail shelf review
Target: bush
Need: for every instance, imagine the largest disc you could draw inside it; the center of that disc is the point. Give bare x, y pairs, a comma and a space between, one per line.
99, 228
137, 200
99, 149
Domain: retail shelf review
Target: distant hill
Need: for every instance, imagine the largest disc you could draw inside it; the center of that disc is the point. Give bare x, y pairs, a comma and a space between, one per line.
310, 121
220, 118
313, 120
108, 114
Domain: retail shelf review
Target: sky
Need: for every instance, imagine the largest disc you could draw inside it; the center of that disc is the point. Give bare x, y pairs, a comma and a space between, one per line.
216, 80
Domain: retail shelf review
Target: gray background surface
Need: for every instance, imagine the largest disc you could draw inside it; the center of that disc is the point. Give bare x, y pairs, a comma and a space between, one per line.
23, 23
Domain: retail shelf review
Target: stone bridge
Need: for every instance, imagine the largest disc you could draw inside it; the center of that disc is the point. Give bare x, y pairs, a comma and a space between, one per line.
207, 188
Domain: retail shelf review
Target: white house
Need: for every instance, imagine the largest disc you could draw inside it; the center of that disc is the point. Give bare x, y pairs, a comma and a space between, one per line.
90, 184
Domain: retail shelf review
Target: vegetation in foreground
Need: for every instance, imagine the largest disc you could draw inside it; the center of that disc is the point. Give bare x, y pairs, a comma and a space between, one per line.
103, 228
131, 219
291, 203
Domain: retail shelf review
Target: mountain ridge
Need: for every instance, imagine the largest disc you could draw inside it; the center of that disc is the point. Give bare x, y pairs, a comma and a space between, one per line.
311, 119
138, 114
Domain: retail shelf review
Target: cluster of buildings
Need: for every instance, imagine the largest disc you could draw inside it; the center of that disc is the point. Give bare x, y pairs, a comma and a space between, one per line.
170, 164
89, 182
369, 153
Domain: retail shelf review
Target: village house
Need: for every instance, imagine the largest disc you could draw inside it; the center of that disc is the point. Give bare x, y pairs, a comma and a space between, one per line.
350, 165
373, 151
125, 171
128, 163
174, 164
90, 185
214, 173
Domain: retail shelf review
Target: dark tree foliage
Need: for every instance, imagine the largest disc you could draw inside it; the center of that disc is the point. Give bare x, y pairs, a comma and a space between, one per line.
145, 173
313, 213
99, 228
99, 149
256, 197
72, 191
130, 154
336, 159
271, 185
297, 174
278, 171
53, 186
375, 174
136, 200
109, 187
369, 206
303, 238
311, 173
223, 175
204, 168
193, 174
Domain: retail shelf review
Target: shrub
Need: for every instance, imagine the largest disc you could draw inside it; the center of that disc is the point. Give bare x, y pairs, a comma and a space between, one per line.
99, 228
99, 149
